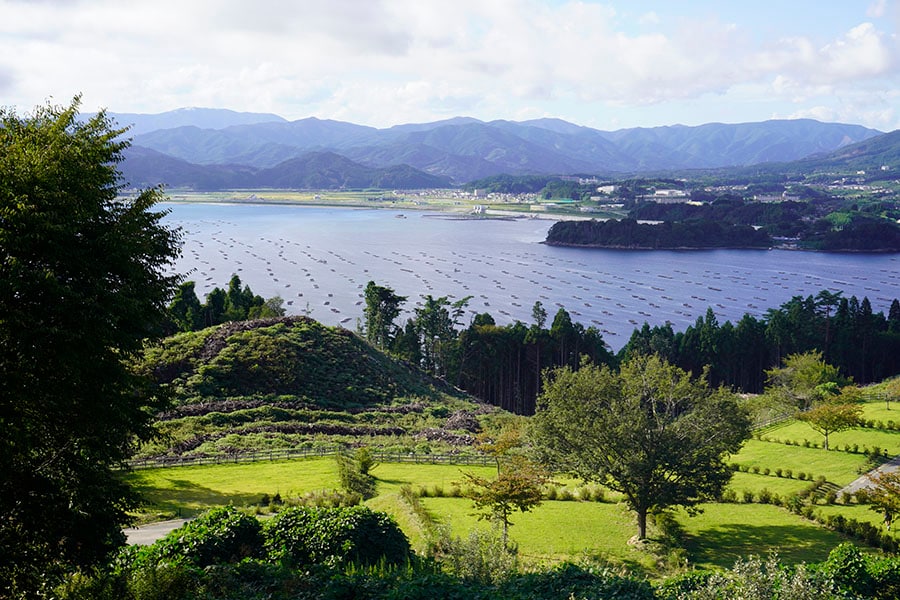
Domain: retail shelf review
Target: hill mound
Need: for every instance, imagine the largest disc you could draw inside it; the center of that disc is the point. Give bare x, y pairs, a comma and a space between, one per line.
293, 356
293, 382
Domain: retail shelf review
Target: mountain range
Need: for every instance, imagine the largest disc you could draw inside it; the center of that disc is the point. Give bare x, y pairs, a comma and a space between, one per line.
214, 149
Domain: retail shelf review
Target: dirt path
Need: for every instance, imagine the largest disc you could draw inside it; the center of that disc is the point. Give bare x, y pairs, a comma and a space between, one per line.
147, 534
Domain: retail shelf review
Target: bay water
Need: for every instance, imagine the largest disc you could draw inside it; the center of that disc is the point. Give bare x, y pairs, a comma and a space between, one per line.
319, 261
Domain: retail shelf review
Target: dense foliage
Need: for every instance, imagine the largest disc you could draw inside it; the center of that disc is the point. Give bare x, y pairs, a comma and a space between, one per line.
84, 277
186, 313
628, 233
137, 575
862, 344
355, 535
221, 535
818, 224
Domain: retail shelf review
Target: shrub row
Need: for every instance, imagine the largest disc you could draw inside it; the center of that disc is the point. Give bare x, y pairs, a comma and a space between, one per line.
850, 448
785, 473
585, 493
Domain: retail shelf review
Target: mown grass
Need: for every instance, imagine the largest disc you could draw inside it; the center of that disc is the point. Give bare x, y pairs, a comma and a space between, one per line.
777, 485
722, 533
797, 431
860, 512
187, 491
837, 467
557, 530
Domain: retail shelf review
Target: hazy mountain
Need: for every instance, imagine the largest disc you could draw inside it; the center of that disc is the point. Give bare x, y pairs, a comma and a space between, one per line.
204, 118
720, 145
144, 167
464, 149
873, 153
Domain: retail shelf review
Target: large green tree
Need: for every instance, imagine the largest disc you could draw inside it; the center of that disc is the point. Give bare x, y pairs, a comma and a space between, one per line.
649, 431
84, 279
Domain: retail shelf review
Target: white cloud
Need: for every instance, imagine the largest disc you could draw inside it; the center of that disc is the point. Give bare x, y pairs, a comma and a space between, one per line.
386, 61
877, 9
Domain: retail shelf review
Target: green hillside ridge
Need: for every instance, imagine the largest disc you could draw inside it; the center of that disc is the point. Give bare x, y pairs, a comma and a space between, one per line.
292, 382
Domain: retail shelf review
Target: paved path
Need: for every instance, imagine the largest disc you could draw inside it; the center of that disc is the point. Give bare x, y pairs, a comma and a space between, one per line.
147, 534
863, 481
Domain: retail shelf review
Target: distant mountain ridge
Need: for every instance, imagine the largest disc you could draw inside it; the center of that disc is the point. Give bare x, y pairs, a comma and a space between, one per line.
462, 149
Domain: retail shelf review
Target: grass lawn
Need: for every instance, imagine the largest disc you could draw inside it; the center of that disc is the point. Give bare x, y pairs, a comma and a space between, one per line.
188, 491
557, 530
777, 485
725, 532
877, 411
838, 467
855, 511
863, 437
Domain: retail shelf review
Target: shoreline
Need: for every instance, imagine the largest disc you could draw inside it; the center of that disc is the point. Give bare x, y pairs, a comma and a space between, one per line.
454, 212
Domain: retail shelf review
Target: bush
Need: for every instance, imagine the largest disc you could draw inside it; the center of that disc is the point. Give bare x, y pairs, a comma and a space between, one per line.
354, 472
222, 535
330, 498
482, 557
778, 472
358, 535
848, 567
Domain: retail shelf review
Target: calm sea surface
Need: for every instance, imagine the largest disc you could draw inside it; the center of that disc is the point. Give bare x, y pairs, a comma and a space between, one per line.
320, 259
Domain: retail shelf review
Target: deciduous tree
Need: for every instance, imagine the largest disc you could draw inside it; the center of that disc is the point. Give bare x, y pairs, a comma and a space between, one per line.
649, 431
517, 487
803, 379
831, 417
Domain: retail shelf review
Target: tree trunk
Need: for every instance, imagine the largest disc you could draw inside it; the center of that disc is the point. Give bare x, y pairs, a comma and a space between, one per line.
642, 524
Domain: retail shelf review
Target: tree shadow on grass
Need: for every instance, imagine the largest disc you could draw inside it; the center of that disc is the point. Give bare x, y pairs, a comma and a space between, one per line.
186, 498
724, 544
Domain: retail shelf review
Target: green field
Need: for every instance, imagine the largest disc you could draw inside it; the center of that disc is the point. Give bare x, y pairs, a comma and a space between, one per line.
777, 485
561, 530
188, 491
722, 533
870, 438
837, 467
557, 530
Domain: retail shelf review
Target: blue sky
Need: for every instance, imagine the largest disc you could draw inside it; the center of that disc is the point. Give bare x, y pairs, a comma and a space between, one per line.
606, 65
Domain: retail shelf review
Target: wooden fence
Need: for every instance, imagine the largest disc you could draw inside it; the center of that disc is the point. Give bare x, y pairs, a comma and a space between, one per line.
295, 453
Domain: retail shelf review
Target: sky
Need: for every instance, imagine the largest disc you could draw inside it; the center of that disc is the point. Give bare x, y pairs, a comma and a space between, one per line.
602, 64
